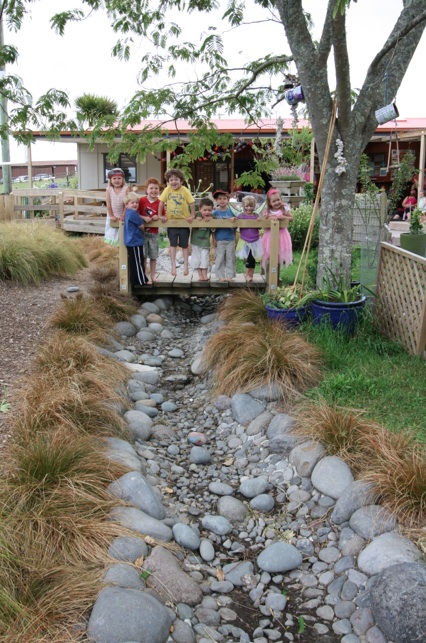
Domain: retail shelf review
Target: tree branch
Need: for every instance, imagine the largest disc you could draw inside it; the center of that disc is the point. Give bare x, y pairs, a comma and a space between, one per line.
341, 65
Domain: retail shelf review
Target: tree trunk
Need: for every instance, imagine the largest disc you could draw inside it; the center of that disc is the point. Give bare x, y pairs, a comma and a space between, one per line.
336, 224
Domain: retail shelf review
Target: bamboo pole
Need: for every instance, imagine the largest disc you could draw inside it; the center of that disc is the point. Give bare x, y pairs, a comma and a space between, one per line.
312, 162
274, 266
420, 185
307, 244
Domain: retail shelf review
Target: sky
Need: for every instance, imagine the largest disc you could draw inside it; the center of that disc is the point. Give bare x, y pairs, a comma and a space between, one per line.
81, 60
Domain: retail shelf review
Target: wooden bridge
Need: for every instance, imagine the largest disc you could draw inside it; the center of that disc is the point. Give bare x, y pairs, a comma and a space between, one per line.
170, 285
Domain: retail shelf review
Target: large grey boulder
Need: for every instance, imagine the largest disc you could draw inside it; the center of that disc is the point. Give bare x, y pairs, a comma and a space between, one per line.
140, 522
136, 490
398, 602
387, 550
169, 580
245, 408
331, 476
124, 329
281, 439
279, 557
356, 495
305, 456
128, 615
371, 521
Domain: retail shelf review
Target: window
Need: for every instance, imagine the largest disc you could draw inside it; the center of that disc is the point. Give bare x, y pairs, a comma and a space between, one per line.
127, 164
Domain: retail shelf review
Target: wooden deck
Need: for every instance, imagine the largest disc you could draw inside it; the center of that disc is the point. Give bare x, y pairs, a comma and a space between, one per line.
190, 285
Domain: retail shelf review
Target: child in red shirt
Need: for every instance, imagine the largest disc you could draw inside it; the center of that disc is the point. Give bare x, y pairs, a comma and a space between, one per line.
148, 209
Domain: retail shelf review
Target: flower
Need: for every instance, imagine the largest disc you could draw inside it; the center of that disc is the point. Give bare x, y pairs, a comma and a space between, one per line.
285, 173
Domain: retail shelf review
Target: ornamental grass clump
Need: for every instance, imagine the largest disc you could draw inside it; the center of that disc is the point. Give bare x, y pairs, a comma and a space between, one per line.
36, 252
394, 462
114, 305
69, 403
81, 316
246, 356
242, 307
68, 358
341, 431
396, 465
98, 252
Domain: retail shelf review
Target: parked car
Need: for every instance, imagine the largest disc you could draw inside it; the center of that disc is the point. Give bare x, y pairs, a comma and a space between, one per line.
43, 177
20, 179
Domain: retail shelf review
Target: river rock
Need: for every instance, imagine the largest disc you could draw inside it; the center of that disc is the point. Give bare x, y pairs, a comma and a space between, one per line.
138, 321
185, 536
136, 490
128, 548
169, 580
124, 576
386, 550
305, 456
371, 521
252, 487
217, 524
124, 329
232, 508
279, 557
398, 602
245, 408
331, 476
281, 440
142, 523
110, 618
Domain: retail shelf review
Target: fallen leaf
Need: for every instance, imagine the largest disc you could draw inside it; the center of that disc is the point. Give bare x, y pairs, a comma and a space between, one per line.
219, 574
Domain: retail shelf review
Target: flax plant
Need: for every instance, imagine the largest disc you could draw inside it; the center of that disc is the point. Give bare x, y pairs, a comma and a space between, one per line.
244, 357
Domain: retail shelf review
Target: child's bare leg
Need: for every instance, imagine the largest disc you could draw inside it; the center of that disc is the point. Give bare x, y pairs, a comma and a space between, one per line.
173, 260
153, 269
204, 276
185, 254
200, 274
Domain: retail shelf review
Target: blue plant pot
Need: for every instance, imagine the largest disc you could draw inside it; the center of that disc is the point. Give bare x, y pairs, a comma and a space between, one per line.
339, 314
288, 316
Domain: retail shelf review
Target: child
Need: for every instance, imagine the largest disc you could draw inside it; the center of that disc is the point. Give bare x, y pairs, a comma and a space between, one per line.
133, 240
249, 246
276, 209
224, 239
200, 241
179, 204
115, 193
148, 209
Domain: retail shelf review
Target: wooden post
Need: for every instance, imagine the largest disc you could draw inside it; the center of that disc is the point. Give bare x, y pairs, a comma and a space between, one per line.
420, 186
383, 207
312, 162
122, 260
232, 168
274, 266
9, 203
60, 223
167, 159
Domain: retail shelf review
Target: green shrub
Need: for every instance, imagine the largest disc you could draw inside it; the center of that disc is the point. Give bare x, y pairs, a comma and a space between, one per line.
298, 228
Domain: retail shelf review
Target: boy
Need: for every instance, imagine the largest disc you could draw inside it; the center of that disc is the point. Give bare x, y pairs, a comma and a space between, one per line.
200, 241
224, 239
148, 209
133, 240
179, 204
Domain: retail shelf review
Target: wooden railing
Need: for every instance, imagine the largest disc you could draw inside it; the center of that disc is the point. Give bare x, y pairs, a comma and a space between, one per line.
272, 276
25, 204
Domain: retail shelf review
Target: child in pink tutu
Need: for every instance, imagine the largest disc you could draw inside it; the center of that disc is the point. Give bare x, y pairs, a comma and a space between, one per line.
276, 209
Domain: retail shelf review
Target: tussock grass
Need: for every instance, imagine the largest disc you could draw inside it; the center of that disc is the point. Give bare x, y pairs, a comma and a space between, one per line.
397, 467
242, 307
32, 253
341, 431
98, 252
49, 405
394, 462
105, 275
243, 357
66, 357
81, 316
113, 304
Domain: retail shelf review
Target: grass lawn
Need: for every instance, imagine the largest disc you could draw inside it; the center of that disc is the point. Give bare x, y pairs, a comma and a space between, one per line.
370, 372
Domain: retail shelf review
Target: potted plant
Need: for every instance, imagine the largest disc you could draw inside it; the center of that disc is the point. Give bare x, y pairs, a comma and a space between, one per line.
339, 305
415, 240
289, 180
286, 304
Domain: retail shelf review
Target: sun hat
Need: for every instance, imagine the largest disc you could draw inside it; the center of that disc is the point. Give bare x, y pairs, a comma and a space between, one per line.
219, 192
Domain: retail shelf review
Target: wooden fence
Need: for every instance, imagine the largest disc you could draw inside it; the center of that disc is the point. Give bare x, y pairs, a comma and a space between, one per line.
66, 206
401, 297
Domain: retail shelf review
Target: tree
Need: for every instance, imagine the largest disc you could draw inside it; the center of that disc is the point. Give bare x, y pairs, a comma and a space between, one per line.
252, 89
92, 109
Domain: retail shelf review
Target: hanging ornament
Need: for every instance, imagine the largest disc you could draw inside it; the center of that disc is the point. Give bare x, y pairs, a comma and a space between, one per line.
295, 95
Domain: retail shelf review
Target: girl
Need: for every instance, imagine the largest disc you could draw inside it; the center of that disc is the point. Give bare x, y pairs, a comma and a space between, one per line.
276, 209
249, 247
115, 193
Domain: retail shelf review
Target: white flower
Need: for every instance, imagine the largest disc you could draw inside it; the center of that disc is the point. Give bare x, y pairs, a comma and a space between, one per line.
342, 163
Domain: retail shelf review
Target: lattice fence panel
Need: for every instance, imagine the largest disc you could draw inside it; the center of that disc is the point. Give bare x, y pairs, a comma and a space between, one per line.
401, 294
